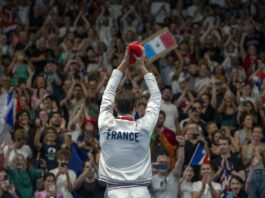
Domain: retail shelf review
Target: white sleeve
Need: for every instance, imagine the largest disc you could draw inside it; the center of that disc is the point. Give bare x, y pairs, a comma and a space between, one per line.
108, 98
196, 186
153, 106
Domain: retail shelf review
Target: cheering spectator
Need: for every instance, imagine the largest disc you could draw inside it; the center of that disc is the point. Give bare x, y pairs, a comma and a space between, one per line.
87, 184
165, 181
7, 189
255, 181
48, 149
19, 146
163, 140
206, 187
65, 178
186, 183
226, 164
49, 188
170, 110
236, 186
23, 177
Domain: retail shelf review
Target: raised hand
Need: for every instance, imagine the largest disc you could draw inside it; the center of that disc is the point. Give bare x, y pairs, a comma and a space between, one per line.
180, 139
126, 57
141, 60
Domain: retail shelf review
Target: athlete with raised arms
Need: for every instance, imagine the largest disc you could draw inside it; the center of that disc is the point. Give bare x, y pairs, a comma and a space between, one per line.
125, 160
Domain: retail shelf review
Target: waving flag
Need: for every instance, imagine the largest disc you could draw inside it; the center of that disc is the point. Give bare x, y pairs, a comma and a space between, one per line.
159, 44
7, 104
200, 156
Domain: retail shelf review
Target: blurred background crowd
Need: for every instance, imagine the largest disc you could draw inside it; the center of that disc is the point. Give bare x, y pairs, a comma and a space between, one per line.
58, 56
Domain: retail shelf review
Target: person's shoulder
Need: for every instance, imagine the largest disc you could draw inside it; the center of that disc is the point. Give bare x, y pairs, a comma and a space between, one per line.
196, 185
72, 173
216, 185
54, 171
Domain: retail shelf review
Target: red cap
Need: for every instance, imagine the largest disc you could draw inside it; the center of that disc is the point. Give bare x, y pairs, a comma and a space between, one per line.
135, 49
89, 120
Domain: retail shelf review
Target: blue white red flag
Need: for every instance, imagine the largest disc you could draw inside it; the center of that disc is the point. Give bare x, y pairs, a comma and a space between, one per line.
159, 44
7, 104
200, 156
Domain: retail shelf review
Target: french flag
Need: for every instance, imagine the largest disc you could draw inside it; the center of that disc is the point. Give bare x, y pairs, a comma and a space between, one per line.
9, 26
7, 112
200, 156
159, 44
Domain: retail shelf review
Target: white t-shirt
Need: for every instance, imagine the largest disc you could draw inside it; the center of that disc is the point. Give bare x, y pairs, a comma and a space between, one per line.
164, 186
172, 114
186, 189
61, 182
25, 150
197, 186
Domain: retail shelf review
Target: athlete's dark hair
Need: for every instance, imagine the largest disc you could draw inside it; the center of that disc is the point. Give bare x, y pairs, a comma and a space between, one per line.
125, 101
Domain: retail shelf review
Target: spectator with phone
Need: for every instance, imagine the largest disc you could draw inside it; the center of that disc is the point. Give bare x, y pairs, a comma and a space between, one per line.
87, 185
65, 178
49, 188
193, 137
165, 181
7, 190
194, 112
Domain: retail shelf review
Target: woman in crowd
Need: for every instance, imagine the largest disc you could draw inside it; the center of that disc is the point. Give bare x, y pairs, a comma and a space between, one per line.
49, 188
228, 110
244, 135
236, 186
206, 187
186, 182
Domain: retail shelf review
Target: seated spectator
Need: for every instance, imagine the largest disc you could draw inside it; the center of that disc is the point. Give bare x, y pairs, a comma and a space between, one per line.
49, 188
206, 187
165, 181
65, 178
87, 184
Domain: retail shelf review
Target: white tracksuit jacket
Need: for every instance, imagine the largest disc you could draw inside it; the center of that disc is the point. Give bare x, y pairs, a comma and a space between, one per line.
125, 155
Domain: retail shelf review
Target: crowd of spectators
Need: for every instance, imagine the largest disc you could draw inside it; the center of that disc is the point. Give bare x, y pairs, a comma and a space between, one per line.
57, 55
